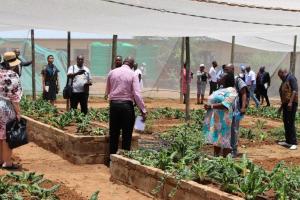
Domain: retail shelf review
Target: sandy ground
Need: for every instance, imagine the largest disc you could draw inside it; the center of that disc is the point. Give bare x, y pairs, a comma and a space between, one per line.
84, 179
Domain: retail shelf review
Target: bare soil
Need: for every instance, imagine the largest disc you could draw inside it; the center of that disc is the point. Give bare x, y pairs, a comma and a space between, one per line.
79, 181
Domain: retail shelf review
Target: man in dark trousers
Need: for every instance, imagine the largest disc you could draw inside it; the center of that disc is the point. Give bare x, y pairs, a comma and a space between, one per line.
80, 78
263, 82
289, 103
24, 63
123, 90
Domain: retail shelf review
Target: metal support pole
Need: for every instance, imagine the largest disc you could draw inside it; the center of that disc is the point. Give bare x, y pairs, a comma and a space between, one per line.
181, 67
232, 49
188, 73
114, 51
68, 62
294, 56
33, 65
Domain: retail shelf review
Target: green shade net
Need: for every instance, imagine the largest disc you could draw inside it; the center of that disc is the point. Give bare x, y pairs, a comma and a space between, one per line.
41, 53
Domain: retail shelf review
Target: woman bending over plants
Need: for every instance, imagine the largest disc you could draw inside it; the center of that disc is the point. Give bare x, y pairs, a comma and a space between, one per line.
217, 122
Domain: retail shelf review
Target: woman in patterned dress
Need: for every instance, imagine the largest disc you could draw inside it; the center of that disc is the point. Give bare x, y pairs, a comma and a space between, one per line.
217, 124
10, 96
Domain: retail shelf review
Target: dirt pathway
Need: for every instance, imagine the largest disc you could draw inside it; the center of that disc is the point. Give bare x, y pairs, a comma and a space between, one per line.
85, 179
269, 155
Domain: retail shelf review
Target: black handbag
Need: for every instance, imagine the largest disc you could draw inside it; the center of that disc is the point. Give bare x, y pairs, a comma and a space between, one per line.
16, 134
68, 89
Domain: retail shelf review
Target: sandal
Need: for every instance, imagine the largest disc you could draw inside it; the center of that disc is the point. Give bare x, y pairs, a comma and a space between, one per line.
12, 167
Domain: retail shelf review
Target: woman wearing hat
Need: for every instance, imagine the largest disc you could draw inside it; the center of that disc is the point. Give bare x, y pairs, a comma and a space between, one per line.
10, 96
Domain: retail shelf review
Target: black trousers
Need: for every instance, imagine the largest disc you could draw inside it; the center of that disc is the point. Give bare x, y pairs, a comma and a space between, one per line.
82, 99
261, 91
289, 123
121, 117
213, 86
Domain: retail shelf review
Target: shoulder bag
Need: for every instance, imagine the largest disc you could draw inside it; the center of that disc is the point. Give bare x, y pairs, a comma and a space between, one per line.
16, 134
68, 89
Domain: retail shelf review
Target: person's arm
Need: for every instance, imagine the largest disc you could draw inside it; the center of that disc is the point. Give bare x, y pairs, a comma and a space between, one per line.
138, 98
43, 80
268, 80
218, 106
72, 75
17, 109
26, 63
244, 100
294, 86
107, 90
57, 84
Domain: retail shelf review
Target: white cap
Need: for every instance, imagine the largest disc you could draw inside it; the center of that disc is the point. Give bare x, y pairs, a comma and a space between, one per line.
202, 65
242, 67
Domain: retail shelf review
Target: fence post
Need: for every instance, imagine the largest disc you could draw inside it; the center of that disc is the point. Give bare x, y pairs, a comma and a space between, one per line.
114, 51
68, 62
232, 49
294, 56
188, 63
181, 67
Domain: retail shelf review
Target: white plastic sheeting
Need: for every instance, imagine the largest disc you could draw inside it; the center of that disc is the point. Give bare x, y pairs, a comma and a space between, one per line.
151, 18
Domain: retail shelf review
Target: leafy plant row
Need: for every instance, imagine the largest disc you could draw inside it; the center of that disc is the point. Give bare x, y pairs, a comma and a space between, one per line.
267, 112
180, 156
45, 112
29, 185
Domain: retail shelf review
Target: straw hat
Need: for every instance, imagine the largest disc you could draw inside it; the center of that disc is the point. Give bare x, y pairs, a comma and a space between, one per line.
11, 58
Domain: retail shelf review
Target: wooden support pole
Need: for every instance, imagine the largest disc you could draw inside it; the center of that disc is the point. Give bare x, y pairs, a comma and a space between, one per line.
68, 63
114, 50
181, 67
232, 50
33, 65
294, 56
188, 78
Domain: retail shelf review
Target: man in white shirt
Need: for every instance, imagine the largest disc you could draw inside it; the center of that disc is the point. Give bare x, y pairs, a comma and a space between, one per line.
250, 79
80, 79
139, 74
212, 74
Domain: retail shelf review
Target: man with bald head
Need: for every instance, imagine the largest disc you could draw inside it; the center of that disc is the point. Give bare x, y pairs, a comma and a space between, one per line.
123, 90
289, 103
24, 63
118, 61
79, 77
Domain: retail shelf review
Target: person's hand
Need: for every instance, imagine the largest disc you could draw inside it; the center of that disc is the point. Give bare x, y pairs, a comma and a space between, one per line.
290, 105
207, 107
82, 71
144, 116
105, 96
18, 116
243, 110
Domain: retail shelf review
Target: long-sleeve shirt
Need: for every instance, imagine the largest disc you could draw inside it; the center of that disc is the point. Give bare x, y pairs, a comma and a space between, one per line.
123, 84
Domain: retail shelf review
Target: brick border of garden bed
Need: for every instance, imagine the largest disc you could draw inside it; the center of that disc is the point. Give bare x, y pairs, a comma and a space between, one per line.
143, 178
74, 148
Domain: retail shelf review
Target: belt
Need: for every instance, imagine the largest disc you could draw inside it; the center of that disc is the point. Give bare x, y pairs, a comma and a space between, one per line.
121, 101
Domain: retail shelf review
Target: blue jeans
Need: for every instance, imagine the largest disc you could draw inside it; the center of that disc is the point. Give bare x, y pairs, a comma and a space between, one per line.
251, 90
235, 126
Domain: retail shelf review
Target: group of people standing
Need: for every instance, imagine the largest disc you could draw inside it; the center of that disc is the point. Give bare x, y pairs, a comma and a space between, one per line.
227, 106
258, 85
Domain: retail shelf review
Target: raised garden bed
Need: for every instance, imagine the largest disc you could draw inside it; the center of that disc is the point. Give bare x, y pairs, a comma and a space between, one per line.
78, 149
132, 173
